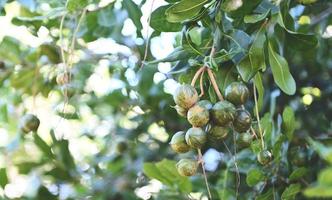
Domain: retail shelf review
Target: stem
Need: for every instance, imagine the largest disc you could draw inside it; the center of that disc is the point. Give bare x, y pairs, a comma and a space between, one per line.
72, 45
199, 71
214, 84
238, 180
200, 158
61, 39
257, 116
201, 83
236, 168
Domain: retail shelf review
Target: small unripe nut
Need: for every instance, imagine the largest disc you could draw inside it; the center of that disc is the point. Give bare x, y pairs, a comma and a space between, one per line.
178, 143
196, 138
198, 115
264, 157
218, 132
29, 123
223, 112
185, 96
242, 121
237, 93
187, 167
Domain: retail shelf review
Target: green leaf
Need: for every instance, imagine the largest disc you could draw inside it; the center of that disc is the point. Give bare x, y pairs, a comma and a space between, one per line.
260, 90
44, 193
291, 191
75, 5
301, 42
166, 172
322, 191
276, 152
255, 60
323, 151
298, 173
254, 176
134, 13
325, 177
43, 146
64, 155
10, 50
225, 76
152, 171
160, 23
295, 40
254, 18
256, 146
266, 196
184, 10
280, 71
288, 123
3, 177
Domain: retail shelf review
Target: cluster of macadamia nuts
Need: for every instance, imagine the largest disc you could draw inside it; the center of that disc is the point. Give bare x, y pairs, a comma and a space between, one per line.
211, 122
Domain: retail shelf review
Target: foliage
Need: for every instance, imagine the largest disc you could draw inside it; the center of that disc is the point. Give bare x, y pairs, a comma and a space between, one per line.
97, 143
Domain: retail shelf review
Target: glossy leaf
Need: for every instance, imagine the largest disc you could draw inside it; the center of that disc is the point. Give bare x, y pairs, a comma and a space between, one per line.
134, 13
280, 70
255, 59
254, 176
298, 173
288, 123
160, 23
291, 191
3, 177
184, 10
260, 90
254, 18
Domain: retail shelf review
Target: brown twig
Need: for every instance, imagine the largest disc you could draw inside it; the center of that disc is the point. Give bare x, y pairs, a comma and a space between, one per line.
214, 84
201, 83
199, 71
201, 161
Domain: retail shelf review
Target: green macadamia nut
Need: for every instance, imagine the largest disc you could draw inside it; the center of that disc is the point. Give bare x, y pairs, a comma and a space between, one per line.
187, 167
237, 93
264, 157
223, 112
29, 123
185, 96
198, 115
218, 132
196, 138
242, 121
178, 143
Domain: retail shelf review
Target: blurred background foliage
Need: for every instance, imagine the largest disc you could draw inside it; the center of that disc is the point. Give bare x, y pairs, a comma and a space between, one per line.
109, 139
